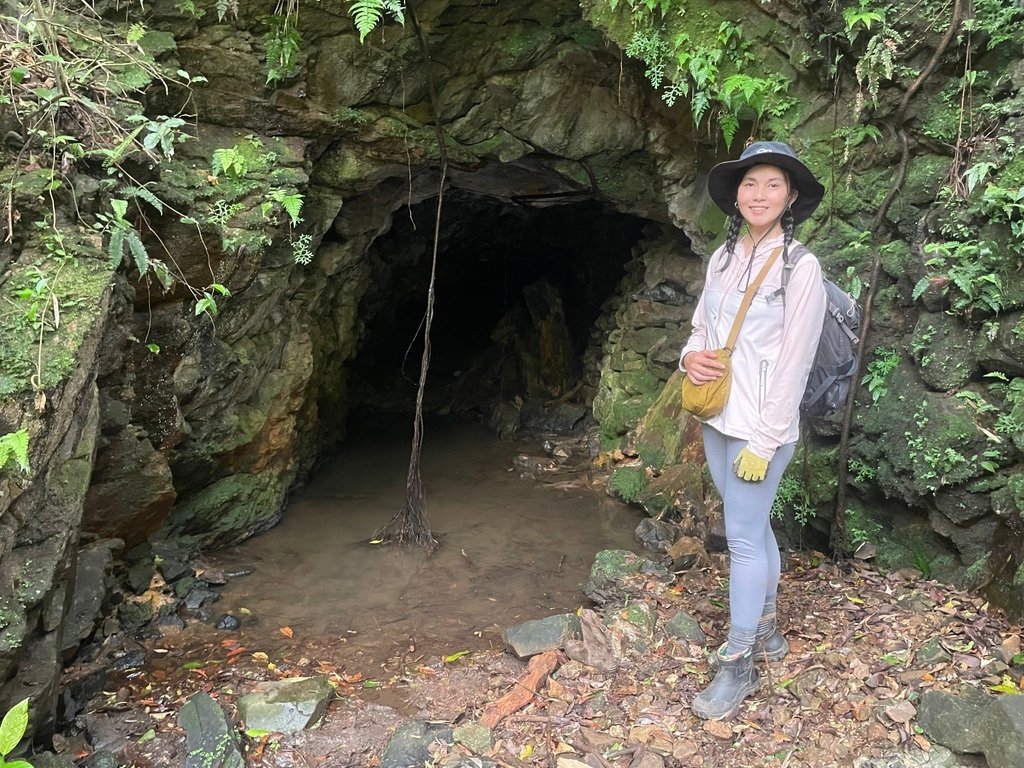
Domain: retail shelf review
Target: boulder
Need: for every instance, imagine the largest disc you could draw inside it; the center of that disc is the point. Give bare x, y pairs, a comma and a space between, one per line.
539, 635
284, 706
211, 740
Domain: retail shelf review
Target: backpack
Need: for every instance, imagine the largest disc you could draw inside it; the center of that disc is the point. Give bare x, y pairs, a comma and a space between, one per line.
836, 361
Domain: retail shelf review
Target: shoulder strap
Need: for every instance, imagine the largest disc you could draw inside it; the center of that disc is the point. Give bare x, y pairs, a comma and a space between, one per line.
748, 297
790, 259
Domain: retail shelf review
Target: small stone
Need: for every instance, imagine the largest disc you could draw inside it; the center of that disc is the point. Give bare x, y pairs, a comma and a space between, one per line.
475, 736
229, 623
683, 626
200, 596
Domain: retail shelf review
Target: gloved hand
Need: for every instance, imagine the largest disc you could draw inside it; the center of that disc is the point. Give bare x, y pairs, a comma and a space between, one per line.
750, 466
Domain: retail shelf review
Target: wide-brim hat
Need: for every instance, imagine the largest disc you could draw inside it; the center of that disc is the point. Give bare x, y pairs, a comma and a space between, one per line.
725, 177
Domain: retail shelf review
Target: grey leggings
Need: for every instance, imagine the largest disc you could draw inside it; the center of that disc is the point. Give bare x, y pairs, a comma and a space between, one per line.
754, 559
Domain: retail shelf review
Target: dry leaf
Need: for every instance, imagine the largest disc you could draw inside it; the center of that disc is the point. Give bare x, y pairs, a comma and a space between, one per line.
718, 729
286, 631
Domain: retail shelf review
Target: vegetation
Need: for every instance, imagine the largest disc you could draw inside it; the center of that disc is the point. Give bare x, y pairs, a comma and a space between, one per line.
12, 729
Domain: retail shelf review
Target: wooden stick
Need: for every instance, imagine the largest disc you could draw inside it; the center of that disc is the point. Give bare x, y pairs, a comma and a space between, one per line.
522, 693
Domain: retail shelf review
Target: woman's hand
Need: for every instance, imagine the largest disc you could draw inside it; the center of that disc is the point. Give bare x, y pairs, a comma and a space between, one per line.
703, 366
749, 466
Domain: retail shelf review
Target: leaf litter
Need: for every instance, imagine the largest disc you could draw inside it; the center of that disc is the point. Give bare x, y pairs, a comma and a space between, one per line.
864, 646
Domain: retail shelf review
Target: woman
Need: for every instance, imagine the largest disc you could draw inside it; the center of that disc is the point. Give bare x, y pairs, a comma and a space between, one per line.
766, 193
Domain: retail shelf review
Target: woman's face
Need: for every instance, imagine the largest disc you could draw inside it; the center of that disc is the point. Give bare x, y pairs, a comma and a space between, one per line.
763, 195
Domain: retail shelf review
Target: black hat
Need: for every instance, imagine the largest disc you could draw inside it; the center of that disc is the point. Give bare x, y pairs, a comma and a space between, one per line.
725, 177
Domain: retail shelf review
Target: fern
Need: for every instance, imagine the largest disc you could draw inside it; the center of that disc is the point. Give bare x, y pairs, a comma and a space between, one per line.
144, 194
14, 445
367, 14
138, 251
115, 249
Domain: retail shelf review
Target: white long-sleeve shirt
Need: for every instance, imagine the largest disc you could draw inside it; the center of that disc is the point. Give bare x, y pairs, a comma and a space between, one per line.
775, 347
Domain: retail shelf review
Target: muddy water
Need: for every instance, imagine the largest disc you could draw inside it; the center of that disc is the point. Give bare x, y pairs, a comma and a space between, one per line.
512, 548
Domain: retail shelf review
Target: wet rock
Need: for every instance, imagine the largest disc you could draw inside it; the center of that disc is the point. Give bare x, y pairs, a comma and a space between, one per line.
132, 489
475, 736
655, 535
213, 576
139, 576
562, 418
131, 659
101, 759
174, 568
408, 747
171, 622
683, 626
541, 635
107, 733
78, 688
506, 420
686, 553
50, 760
134, 615
211, 740
229, 623
200, 596
616, 574
285, 706
531, 466
92, 583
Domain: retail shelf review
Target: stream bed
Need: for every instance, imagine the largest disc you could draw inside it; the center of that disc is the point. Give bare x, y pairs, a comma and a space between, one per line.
513, 547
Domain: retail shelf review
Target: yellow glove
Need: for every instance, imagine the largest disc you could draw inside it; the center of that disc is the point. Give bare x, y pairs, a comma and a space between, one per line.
750, 466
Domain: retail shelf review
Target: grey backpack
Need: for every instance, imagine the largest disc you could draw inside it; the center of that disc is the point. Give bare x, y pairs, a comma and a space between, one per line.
835, 363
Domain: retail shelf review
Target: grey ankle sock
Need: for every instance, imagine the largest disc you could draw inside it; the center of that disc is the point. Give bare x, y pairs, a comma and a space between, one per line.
740, 640
767, 623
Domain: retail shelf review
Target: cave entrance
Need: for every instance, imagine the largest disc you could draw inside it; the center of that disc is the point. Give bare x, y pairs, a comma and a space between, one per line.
519, 288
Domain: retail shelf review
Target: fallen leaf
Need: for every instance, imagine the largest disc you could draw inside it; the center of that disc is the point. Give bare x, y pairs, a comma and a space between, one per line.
718, 729
903, 712
286, 631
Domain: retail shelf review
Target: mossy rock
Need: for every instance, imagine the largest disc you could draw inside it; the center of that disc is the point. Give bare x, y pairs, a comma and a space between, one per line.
229, 510
634, 625
78, 286
945, 351
628, 483
940, 443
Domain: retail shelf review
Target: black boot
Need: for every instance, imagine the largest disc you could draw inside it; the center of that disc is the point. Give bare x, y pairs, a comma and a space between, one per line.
737, 678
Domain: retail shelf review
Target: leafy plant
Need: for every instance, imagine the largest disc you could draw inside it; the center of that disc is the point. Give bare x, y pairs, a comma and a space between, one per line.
12, 730
367, 14
230, 161
877, 377
14, 447
713, 74
281, 42
302, 252
793, 498
208, 303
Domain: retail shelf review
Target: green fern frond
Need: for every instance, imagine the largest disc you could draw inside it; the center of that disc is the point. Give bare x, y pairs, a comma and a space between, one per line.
15, 445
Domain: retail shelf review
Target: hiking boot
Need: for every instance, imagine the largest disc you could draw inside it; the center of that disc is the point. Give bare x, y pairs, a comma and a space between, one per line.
736, 679
773, 647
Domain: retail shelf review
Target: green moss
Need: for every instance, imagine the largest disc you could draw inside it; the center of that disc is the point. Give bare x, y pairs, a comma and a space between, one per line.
628, 483
77, 285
